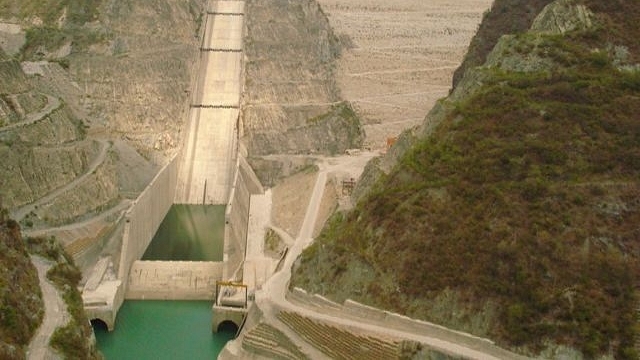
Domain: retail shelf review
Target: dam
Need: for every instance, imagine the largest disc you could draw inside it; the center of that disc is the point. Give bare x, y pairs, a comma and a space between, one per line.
208, 175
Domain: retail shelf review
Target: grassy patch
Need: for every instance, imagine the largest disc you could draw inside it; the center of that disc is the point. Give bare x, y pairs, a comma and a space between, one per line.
345, 122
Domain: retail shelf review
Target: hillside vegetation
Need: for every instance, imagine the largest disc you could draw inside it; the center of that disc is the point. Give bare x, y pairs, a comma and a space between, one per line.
495, 24
517, 219
54, 23
21, 301
21, 305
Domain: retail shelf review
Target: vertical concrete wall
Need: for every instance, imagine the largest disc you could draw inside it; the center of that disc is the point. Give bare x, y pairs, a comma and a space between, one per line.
173, 280
245, 184
145, 215
221, 314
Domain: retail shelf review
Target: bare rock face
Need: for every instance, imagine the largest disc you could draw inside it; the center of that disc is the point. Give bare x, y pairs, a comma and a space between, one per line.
94, 74
291, 102
138, 81
14, 80
31, 172
562, 16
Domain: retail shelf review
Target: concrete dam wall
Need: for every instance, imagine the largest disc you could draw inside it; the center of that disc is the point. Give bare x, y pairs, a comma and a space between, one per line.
209, 150
245, 183
145, 215
173, 280
208, 170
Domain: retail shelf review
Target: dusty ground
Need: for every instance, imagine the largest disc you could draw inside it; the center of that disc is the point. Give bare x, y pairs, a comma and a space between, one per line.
290, 200
400, 57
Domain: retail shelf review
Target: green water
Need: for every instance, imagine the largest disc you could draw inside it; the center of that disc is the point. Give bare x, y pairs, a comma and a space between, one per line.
189, 233
162, 330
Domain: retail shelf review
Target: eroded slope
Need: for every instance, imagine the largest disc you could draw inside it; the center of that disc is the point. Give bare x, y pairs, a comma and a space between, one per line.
291, 104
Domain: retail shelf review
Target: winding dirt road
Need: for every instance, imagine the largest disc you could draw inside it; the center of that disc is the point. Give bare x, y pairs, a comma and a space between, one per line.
20, 213
55, 314
53, 103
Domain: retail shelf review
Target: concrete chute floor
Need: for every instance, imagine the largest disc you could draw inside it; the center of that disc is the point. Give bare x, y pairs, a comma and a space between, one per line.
189, 233
209, 150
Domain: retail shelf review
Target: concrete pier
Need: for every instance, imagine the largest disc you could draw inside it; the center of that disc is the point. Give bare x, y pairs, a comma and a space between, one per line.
222, 314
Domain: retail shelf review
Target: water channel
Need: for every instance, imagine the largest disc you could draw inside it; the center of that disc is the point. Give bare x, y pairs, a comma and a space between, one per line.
172, 329
189, 233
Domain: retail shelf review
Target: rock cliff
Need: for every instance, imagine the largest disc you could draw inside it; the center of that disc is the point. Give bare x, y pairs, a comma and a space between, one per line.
291, 104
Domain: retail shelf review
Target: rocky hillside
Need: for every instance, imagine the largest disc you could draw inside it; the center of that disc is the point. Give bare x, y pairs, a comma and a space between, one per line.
291, 103
21, 306
131, 62
512, 212
92, 102
494, 25
21, 298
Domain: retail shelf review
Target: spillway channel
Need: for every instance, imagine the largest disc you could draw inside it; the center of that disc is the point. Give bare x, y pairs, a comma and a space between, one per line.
189, 233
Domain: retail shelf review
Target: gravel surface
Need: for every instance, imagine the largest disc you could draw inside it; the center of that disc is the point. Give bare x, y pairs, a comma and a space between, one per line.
55, 314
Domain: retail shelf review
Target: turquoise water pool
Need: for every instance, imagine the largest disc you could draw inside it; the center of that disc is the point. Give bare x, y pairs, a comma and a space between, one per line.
162, 330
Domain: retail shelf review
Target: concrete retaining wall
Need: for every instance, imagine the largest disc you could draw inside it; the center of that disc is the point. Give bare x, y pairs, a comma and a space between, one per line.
221, 314
245, 184
355, 310
393, 320
145, 215
173, 280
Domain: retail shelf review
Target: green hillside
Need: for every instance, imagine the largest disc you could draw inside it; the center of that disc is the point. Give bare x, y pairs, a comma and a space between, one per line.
517, 219
21, 305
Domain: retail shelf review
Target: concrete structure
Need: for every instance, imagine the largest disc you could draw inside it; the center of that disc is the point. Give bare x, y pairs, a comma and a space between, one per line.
245, 184
145, 216
103, 293
227, 314
208, 171
173, 280
210, 147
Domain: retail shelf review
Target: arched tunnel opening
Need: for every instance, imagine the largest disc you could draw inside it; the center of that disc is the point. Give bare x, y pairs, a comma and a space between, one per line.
99, 325
228, 326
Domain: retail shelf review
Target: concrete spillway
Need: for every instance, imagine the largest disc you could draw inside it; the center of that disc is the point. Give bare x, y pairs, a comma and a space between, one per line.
206, 168
208, 171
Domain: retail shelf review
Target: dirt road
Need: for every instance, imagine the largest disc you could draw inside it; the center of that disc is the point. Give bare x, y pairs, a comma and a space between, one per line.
55, 314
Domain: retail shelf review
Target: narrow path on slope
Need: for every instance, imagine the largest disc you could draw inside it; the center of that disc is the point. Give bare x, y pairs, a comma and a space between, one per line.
55, 314
402, 71
123, 205
53, 103
20, 213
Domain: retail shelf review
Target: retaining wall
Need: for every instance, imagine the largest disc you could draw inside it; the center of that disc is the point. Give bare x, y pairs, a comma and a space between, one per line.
355, 310
245, 183
145, 215
173, 280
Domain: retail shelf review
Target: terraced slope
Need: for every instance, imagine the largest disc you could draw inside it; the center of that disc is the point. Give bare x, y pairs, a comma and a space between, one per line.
268, 341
